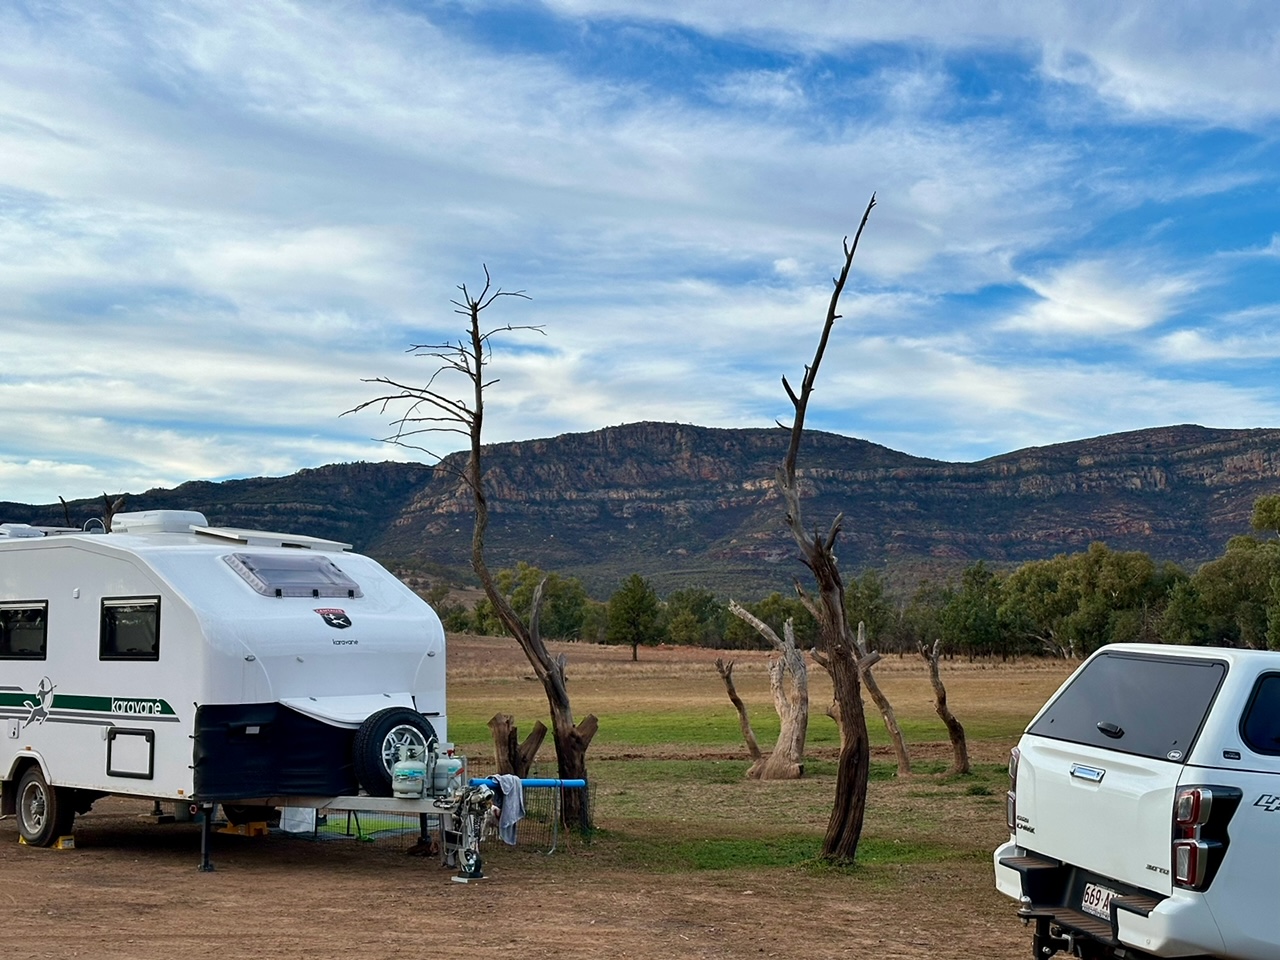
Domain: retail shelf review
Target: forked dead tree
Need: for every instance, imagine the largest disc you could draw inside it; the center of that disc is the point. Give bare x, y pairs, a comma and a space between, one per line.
835, 640
959, 747
789, 684
430, 409
109, 510
510, 753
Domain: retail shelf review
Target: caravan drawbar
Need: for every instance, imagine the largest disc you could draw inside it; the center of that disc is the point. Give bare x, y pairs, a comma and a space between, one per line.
177, 661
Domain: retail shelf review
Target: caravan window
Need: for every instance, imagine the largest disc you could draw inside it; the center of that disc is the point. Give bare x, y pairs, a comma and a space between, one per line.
130, 629
293, 575
24, 630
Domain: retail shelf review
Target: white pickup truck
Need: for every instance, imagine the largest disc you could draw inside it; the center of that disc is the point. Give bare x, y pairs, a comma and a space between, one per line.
1144, 808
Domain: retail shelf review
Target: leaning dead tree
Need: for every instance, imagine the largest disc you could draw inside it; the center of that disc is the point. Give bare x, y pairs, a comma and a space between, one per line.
882, 703
744, 723
835, 640
430, 409
865, 663
955, 731
789, 685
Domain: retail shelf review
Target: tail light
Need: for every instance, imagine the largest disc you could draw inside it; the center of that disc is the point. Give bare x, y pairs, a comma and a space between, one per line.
1200, 840
1011, 798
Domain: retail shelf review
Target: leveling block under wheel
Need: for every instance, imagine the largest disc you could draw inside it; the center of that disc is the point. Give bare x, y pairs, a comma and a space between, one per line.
62, 843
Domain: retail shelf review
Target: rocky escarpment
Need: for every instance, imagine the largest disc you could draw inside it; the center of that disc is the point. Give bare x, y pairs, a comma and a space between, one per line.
681, 502
689, 505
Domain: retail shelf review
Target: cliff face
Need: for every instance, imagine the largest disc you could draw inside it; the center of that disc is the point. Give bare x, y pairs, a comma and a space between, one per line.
691, 504
688, 505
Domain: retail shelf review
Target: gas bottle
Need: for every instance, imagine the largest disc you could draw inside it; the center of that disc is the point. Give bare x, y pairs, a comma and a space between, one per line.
450, 774
409, 773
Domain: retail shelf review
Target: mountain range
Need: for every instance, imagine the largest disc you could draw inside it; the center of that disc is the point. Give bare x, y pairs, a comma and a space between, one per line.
696, 506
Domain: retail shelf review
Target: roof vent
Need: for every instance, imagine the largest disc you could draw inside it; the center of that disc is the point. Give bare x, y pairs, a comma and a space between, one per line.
158, 521
18, 530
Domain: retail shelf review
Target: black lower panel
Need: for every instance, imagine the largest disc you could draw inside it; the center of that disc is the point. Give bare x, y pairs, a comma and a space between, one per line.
247, 750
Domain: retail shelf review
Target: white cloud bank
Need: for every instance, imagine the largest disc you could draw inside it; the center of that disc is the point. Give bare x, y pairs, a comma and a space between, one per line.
215, 219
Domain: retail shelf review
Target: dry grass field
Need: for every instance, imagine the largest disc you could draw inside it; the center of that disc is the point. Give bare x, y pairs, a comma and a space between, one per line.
690, 859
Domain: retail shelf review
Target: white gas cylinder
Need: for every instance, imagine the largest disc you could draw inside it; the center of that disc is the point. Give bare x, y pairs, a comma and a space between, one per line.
450, 775
409, 773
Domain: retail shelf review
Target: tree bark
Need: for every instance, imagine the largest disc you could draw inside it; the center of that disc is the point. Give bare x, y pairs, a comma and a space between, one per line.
790, 699
744, 724
883, 705
509, 753
955, 731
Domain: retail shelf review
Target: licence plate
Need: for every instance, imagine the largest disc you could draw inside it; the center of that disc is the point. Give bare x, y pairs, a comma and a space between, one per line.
1096, 900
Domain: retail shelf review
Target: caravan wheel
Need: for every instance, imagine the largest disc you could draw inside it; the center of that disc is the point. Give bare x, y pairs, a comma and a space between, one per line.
44, 812
378, 742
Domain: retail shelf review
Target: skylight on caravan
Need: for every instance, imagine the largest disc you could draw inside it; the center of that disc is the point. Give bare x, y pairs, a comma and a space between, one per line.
293, 575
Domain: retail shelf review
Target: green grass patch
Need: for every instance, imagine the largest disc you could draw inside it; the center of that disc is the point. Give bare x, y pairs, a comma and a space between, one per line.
718, 853
780, 851
876, 850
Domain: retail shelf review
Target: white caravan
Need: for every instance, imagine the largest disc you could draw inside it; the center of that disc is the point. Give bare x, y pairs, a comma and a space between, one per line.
177, 661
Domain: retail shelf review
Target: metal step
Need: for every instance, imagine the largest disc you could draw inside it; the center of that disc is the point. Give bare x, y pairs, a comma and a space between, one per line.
1100, 930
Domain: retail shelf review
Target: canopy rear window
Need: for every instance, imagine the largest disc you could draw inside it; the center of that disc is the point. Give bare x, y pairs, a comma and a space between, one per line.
1261, 725
293, 575
1148, 706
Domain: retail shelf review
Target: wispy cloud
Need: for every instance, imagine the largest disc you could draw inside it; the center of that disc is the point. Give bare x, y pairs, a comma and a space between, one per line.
1098, 299
216, 219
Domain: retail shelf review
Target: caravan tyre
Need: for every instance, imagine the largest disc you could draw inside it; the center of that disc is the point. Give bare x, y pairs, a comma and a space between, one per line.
44, 812
378, 742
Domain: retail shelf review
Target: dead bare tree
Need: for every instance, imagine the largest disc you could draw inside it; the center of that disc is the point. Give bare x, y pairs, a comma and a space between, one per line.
430, 409
835, 640
791, 700
959, 747
744, 723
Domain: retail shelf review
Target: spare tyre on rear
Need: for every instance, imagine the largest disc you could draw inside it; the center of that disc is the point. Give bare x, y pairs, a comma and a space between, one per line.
378, 741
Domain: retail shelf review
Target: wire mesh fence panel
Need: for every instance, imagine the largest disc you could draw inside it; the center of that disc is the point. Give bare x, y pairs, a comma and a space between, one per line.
540, 830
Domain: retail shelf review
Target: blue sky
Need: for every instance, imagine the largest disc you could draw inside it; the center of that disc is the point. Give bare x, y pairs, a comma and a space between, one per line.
217, 218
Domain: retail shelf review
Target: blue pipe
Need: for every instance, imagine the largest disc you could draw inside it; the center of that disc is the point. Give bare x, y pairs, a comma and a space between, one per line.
533, 782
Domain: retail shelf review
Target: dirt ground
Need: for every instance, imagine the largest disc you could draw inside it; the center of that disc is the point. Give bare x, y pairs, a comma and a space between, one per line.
131, 888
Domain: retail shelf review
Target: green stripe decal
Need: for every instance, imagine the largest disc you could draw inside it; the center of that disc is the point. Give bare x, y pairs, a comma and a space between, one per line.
114, 706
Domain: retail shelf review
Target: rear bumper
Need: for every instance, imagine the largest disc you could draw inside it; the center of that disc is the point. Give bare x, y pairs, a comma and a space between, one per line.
1179, 925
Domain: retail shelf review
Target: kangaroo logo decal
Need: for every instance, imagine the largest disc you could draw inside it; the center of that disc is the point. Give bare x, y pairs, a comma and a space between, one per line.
44, 701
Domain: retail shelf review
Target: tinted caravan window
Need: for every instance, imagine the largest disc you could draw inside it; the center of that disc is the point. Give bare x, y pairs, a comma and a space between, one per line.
1149, 706
24, 630
130, 629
